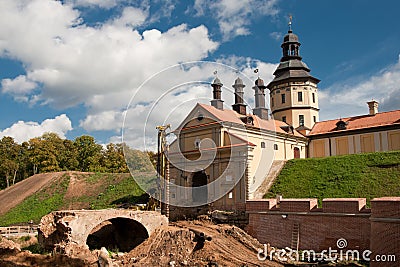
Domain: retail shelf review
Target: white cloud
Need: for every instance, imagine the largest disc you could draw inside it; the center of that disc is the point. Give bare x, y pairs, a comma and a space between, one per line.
278, 36
132, 17
23, 131
105, 120
68, 63
91, 3
72, 63
349, 99
234, 16
19, 87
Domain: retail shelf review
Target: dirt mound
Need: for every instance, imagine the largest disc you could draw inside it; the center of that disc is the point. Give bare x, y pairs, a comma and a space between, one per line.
26, 258
15, 194
196, 243
183, 243
12, 256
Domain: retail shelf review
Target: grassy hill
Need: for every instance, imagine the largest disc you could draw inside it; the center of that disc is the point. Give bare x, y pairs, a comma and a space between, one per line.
77, 190
363, 175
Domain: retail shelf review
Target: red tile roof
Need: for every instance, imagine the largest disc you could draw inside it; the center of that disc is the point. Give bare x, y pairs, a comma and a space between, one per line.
358, 122
228, 115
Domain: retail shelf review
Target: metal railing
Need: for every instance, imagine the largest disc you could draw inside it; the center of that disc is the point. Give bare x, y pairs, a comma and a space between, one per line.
19, 230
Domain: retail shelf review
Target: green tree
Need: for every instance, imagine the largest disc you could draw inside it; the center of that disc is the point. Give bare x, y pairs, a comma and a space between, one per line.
88, 154
138, 160
113, 159
23, 162
44, 152
68, 159
9, 152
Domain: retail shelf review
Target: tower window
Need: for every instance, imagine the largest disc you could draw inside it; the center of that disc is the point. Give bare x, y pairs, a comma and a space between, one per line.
275, 146
315, 118
301, 120
300, 96
197, 143
272, 101
262, 144
284, 119
313, 97
283, 96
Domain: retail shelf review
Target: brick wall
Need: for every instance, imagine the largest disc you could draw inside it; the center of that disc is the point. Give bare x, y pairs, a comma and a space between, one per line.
319, 228
376, 229
385, 226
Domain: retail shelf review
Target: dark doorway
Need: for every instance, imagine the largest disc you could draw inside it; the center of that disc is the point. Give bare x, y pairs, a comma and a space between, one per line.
199, 191
118, 234
296, 153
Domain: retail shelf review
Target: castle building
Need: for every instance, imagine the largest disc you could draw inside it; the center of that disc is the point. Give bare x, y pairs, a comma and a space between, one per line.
360, 134
226, 156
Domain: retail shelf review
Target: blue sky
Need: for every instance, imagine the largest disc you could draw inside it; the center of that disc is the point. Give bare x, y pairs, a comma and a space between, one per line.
72, 66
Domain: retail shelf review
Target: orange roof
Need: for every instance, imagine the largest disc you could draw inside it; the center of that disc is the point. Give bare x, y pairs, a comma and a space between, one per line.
228, 115
358, 122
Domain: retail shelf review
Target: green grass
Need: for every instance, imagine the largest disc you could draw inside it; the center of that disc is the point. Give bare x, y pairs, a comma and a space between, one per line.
37, 205
127, 191
362, 175
36, 249
113, 190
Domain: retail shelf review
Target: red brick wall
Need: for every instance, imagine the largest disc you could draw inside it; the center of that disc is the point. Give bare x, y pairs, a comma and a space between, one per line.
385, 226
319, 228
376, 229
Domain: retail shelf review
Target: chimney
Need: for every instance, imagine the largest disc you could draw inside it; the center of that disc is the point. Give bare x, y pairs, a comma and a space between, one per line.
239, 106
373, 107
217, 102
260, 110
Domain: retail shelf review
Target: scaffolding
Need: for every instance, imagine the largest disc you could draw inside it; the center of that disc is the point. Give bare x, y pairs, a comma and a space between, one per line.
163, 178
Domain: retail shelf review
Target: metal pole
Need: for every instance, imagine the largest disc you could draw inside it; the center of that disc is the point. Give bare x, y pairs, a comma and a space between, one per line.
167, 185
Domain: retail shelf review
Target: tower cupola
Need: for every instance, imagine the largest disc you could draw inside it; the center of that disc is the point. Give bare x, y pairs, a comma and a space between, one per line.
290, 47
239, 105
259, 94
217, 102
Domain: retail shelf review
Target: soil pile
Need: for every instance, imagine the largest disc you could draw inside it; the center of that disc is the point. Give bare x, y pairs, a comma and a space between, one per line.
196, 243
183, 243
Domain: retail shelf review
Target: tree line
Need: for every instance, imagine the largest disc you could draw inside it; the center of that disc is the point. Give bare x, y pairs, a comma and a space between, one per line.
50, 153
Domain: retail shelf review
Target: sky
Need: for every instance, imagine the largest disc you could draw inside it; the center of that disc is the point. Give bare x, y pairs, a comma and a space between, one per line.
115, 69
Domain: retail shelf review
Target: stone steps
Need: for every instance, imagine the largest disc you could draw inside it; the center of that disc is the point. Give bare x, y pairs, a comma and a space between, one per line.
274, 171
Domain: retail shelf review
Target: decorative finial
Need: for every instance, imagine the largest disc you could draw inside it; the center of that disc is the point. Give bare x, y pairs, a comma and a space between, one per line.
290, 22
256, 71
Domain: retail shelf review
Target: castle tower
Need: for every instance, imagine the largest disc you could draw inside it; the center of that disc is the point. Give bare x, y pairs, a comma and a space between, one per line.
293, 91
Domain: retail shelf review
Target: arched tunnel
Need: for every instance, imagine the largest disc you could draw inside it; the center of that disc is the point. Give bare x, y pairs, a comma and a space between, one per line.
120, 234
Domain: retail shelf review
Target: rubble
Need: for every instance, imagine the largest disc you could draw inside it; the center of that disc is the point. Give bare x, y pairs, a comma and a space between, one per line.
197, 243
182, 243
8, 247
